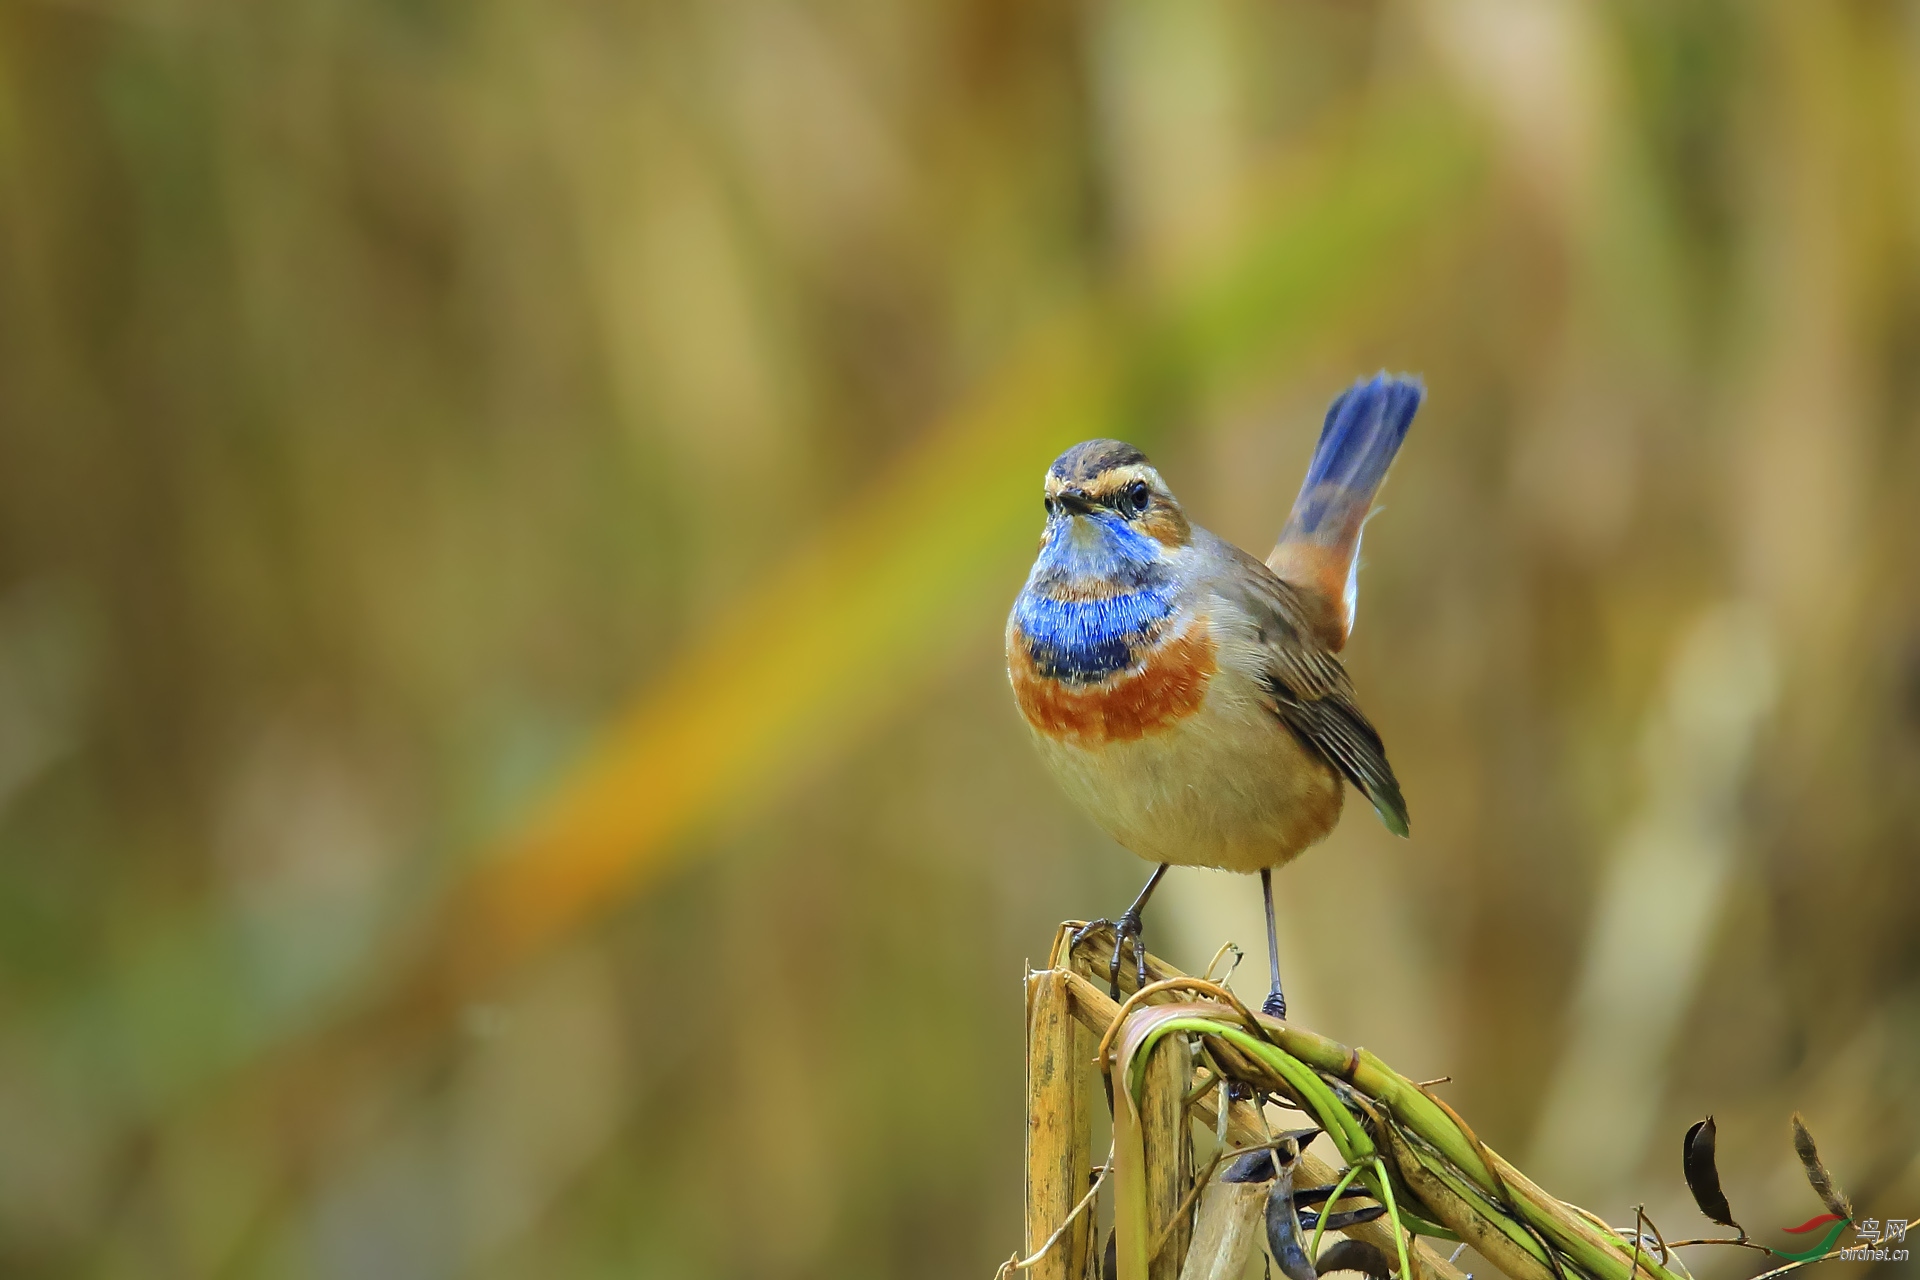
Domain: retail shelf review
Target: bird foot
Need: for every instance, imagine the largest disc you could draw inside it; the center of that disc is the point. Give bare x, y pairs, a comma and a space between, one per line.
1127, 929
1275, 1005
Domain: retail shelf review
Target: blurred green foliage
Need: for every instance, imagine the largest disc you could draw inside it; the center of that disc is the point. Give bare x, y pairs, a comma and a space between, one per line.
506, 514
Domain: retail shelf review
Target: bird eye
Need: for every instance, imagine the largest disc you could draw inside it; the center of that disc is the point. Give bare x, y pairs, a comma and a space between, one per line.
1049, 505
1136, 498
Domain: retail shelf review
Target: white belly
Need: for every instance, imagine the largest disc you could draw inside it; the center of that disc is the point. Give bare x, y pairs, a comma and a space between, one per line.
1228, 786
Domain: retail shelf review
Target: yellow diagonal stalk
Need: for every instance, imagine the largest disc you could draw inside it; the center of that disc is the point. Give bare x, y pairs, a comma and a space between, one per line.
856, 622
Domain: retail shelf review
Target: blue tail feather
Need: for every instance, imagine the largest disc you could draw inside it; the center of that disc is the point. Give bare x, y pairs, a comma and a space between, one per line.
1364, 428
1320, 547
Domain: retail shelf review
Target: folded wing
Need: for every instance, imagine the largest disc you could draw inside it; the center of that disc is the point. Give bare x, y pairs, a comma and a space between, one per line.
1310, 691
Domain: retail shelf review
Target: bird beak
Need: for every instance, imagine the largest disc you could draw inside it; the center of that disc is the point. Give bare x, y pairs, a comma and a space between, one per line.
1074, 501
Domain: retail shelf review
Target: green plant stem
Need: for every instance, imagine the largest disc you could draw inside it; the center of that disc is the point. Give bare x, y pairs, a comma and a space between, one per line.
1346, 1180
1352, 1141
1393, 1216
1295, 1057
1601, 1255
1479, 1204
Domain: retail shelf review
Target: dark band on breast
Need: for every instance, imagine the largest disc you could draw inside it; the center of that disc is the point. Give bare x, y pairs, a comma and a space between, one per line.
1081, 641
1169, 685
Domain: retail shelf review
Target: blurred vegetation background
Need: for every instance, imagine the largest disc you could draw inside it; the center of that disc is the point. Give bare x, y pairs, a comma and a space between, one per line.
507, 513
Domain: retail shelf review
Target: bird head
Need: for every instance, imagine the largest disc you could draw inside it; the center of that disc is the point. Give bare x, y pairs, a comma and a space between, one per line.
1102, 490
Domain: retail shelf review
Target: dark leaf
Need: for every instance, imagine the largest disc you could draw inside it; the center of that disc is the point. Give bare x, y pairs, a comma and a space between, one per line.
1110, 1263
1341, 1221
1255, 1166
1823, 1185
1703, 1177
1355, 1255
1258, 1166
1283, 1230
1300, 1139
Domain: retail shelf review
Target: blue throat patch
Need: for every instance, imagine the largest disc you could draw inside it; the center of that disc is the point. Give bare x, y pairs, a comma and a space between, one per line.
1082, 641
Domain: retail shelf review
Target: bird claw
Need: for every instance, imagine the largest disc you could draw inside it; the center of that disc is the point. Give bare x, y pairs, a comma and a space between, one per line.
1275, 1006
1128, 928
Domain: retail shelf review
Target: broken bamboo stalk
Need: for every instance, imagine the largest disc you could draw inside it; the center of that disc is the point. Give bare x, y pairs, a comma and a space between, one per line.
1169, 1154
1228, 1228
1059, 1161
1096, 1011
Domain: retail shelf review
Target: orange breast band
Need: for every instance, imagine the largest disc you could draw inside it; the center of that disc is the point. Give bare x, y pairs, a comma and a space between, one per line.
1164, 689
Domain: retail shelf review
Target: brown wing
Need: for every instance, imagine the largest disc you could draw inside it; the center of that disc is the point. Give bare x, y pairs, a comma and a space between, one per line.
1309, 690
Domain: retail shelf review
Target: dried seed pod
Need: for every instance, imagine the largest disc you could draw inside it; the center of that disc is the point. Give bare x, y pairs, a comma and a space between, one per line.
1355, 1255
1255, 1166
1309, 1220
1822, 1182
1297, 1140
1703, 1176
1283, 1230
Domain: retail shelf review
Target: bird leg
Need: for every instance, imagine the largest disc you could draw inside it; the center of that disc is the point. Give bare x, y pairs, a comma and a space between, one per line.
1128, 928
1276, 1001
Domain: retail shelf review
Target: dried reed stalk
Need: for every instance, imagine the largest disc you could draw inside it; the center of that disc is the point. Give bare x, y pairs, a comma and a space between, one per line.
1229, 1227
1406, 1145
1059, 1127
1168, 1150
1096, 1011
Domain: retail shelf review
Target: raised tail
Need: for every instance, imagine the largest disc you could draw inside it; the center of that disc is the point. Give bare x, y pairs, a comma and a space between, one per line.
1320, 547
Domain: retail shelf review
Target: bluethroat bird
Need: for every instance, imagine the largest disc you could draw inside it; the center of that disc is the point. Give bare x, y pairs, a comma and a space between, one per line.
1190, 697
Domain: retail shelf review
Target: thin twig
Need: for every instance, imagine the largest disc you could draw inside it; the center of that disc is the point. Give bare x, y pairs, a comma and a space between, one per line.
1795, 1266
1743, 1243
1666, 1254
1238, 956
1017, 1263
1597, 1220
1208, 1083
